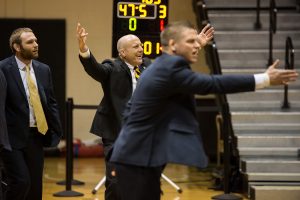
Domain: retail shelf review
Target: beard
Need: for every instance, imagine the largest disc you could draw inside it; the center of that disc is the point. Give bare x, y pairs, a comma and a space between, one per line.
27, 54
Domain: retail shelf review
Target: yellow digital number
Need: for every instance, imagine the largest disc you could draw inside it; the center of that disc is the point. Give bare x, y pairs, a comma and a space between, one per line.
132, 9
162, 11
123, 8
147, 1
151, 1
147, 47
132, 24
143, 11
158, 48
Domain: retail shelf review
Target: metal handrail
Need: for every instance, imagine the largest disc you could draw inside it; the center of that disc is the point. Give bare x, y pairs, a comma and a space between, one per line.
201, 12
216, 59
257, 24
227, 129
289, 64
272, 28
213, 60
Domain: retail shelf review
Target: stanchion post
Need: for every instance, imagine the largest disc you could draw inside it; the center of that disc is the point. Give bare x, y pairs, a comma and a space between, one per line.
226, 155
69, 153
69, 129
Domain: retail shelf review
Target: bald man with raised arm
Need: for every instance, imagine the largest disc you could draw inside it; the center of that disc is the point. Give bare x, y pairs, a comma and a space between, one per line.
118, 81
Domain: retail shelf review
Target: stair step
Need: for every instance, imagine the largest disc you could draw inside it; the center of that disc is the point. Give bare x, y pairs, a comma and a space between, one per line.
255, 58
236, 71
264, 131
246, 152
265, 95
240, 39
266, 117
266, 126
274, 182
278, 177
236, 106
275, 192
271, 165
271, 141
244, 20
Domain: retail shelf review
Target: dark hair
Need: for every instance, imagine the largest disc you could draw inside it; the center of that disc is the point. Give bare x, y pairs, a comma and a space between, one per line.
173, 31
15, 37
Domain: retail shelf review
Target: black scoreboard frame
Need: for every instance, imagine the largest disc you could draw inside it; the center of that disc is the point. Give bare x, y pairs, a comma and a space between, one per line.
143, 18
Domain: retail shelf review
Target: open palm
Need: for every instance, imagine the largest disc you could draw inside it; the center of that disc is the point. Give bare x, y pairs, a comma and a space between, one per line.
206, 34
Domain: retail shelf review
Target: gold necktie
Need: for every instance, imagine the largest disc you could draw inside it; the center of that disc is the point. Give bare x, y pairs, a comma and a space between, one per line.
137, 72
36, 104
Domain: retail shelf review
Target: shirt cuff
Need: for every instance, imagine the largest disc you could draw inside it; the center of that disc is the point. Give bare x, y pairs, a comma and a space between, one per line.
261, 80
85, 54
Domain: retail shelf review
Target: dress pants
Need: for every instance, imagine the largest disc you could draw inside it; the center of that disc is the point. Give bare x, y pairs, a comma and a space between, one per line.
111, 192
24, 169
138, 183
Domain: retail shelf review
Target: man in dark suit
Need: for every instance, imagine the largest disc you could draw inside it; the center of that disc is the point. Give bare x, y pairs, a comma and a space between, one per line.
4, 143
160, 124
32, 116
118, 79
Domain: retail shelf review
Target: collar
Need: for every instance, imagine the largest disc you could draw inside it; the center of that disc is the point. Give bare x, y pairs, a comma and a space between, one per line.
22, 65
129, 65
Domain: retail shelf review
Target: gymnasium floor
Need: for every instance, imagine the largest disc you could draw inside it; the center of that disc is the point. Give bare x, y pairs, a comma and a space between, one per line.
194, 183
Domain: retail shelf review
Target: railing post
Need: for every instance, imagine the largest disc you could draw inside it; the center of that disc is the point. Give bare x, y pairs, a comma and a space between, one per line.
272, 29
270, 61
257, 24
289, 64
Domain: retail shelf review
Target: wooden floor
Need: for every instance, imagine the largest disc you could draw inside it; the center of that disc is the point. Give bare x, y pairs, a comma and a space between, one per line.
194, 183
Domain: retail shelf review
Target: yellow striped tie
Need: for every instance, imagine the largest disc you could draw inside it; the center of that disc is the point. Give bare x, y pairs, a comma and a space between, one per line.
137, 72
35, 102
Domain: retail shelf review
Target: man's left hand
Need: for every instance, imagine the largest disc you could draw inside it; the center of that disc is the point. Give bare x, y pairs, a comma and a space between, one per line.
206, 34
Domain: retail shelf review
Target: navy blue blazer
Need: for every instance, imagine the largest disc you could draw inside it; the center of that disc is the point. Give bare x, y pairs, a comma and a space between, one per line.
116, 81
17, 108
160, 124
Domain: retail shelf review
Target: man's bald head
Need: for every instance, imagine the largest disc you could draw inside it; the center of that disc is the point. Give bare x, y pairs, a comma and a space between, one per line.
130, 49
125, 40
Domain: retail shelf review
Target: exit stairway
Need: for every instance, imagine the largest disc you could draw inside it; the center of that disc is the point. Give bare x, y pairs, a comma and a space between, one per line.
267, 137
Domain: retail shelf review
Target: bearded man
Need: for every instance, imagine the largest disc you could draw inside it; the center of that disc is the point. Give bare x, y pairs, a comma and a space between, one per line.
32, 116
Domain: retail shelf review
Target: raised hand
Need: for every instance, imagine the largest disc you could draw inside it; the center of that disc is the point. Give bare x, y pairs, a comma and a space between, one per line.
82, 37
206, 34
280, 76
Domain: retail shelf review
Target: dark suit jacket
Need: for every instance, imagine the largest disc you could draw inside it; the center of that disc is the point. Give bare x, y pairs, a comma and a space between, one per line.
160, 120
17, 108
4, 143
116, 82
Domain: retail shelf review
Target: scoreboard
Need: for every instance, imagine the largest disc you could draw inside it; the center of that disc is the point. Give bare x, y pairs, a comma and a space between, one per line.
143, 18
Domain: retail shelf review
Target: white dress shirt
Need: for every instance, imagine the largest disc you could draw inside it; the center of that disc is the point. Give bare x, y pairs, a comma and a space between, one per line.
22, 70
